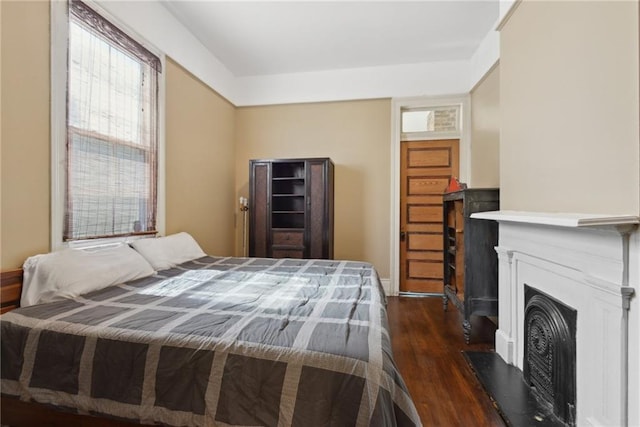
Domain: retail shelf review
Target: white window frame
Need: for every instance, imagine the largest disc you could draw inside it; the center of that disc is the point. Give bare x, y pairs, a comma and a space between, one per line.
464, 135
59, 47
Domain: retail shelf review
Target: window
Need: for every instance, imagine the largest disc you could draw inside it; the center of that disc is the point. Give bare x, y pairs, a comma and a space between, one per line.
111, 154
431, 121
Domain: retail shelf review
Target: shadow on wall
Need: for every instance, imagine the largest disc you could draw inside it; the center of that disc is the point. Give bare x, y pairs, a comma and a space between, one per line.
349, 213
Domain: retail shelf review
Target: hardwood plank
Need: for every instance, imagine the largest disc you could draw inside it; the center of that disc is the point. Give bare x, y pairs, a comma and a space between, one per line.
427, 346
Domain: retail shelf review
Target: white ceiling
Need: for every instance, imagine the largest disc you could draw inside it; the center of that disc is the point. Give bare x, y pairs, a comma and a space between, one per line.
269, 37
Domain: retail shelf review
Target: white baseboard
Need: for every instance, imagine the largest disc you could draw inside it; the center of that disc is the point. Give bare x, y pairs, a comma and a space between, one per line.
504, 347
386, 285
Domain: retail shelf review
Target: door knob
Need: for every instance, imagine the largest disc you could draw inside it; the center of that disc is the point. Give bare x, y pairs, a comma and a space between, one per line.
402, 236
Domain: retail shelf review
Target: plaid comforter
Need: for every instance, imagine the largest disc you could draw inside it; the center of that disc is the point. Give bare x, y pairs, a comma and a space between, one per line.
216, 341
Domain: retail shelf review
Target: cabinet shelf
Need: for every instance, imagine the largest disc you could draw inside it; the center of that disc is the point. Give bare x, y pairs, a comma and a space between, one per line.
288, 187
288, 170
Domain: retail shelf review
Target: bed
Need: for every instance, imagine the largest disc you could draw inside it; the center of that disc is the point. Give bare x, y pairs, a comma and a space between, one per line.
213, 341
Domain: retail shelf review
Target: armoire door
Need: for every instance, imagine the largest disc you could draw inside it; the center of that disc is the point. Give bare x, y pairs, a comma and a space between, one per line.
259, 209
319, 202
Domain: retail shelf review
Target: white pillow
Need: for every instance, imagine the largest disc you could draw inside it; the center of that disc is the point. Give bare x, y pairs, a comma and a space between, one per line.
167, 252
72, 272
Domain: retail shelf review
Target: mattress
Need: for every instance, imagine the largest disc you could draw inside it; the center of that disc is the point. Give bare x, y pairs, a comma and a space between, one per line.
216, 341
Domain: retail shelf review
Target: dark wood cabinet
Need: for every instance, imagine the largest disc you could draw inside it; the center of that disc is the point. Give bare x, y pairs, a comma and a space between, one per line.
470, 260
291, 208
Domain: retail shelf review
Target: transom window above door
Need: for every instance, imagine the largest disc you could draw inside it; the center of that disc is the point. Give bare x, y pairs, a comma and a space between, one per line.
430, 121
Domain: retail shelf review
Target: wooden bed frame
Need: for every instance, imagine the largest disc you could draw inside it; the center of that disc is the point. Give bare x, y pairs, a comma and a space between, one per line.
10, 290
16, 413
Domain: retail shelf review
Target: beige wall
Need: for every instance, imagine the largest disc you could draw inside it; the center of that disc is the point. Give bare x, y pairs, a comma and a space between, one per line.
485, 131
355, 135
199, 142
199, 167
25, 225
569, 133
569, 108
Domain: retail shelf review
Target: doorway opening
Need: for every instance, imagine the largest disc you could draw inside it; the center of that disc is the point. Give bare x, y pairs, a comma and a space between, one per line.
424, 133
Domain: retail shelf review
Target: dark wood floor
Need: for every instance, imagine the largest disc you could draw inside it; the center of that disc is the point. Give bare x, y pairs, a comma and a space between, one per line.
427, 346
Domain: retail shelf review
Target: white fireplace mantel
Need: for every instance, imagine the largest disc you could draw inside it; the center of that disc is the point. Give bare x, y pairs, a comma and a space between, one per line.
589, 262
559, 219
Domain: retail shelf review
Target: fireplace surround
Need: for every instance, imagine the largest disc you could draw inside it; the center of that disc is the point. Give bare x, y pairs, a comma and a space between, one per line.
589, 263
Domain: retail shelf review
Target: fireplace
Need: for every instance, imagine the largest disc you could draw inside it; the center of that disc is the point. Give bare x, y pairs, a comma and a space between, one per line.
549, 353
588, 264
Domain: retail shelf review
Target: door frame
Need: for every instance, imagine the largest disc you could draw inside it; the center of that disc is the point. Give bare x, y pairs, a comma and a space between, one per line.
397, 105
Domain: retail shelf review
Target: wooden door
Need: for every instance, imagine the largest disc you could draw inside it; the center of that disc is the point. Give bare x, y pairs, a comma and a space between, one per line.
320, 209
425, 170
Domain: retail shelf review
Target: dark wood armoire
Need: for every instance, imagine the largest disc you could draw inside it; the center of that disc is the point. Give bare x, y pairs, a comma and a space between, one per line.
291, 208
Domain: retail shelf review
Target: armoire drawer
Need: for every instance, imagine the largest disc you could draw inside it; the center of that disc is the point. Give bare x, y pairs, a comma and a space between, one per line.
288, 253
288, 238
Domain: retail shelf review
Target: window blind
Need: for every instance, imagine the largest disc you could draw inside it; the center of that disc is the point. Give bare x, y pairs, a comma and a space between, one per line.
112, 91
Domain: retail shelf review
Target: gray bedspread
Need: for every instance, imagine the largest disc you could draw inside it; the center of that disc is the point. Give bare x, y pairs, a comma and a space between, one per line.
216, 341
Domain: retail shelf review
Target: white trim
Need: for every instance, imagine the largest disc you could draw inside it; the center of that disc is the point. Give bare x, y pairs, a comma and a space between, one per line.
397, 105
504, 347
59, 35
155, 23
386, 285
396, 127
59, 46
561, 219
507, 7
161, 209
405, 80
484, 58
428, 136
101, 243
